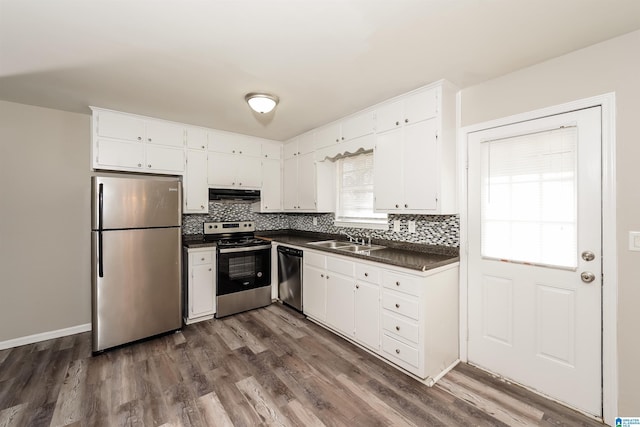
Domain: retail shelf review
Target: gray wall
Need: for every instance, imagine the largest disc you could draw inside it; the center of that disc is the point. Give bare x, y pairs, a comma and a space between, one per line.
45, 277
612, 66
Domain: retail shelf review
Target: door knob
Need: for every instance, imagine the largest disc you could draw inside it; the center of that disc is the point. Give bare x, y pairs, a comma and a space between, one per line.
587, 276
588, 256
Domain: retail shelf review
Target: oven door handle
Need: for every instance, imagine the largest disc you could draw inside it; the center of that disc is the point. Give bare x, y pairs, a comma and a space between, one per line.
243, 249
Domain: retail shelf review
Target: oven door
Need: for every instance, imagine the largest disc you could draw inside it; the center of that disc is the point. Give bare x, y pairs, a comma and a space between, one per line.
241, 269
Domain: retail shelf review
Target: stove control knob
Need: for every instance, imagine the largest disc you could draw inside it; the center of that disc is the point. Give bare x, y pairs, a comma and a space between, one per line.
259, 274
211, 226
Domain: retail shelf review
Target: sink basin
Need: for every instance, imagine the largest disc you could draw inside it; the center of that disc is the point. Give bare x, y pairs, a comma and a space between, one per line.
360, 248
346, 246
331, 244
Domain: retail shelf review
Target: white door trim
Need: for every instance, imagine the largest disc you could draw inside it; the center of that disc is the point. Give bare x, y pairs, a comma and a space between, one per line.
609, 250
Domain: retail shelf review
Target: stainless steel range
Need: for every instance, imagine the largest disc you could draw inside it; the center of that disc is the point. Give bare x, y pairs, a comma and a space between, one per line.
243, 267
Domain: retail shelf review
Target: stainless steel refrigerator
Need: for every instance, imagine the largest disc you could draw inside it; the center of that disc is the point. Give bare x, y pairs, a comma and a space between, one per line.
136, 264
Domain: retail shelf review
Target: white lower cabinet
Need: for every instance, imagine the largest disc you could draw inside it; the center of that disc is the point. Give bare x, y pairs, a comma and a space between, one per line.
200, 284
409, 318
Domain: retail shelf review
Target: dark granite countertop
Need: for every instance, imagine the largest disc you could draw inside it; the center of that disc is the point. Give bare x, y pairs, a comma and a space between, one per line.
408, 255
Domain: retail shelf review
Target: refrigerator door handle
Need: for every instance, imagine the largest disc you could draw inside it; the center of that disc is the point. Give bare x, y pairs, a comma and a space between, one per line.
100, 264
100, 205
100, 211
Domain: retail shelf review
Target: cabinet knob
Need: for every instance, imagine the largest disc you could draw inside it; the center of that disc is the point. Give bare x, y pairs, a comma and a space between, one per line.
149, 139
298, 152
240, 152
327, 276
233, 151
266, 207
201, 206
406, 205
406, 120
337, 139
239, 183
357, 286
295, 154
397, 305
397, 206
366, 274
322, 275
201, 259
397, 123
139, 138
397, 351
397, 283
149, 165
209, 269
342, 138
233, 183
397, 328
266, 155
203, 147
139, 165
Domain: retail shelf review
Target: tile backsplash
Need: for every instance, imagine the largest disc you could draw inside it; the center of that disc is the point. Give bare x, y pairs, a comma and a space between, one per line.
441, 230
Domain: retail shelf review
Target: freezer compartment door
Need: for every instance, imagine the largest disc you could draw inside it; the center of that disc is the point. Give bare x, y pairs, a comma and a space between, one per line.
136, 202
136, 285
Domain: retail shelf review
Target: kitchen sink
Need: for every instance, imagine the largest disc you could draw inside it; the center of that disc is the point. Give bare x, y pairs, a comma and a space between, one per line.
346, 246
331, 244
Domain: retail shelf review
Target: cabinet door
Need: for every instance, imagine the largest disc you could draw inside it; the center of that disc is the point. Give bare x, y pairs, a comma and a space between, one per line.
367, 314
387, 171
221, 169
290, 184
248, 171
389, 115
420, 106
120, 126
290, 150
420, 166
271, 194
114, 153
340, 302
222, 142
196, 197
164, 133
306, 182
196, 138
271, 149
314, 292
164, 158
357, 126
327, 135
248, 146
201, 290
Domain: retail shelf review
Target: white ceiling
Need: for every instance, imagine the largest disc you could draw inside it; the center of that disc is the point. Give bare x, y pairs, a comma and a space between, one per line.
193, 61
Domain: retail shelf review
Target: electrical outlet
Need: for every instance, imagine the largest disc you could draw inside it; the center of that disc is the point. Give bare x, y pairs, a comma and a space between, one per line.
412, 226
315, 220
396, 225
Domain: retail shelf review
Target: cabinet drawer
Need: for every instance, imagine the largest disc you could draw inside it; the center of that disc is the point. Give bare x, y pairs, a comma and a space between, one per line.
201, 258
398, 350
368, 273
401, 304
401, 282
341, 266
400, 327
314, 259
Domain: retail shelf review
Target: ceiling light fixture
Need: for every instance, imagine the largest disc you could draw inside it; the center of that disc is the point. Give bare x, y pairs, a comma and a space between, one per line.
261, 102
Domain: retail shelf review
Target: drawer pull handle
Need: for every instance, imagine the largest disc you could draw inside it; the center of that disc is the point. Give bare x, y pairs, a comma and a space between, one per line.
397, 305
397, 328
397, 351
397, 283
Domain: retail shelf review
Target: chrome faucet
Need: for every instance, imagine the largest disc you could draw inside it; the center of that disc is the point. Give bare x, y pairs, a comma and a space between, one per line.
350, 237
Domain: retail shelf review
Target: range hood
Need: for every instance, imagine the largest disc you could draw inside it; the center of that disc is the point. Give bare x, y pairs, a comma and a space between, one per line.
237, 195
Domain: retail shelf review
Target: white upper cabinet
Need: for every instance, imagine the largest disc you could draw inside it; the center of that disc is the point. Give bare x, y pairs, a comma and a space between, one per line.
196, 193
358, 125
196, 138
234, 143
327, 135
271, 191
133, 143
415, 152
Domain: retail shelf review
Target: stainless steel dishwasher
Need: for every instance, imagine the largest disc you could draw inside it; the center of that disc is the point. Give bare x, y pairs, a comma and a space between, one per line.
290, 276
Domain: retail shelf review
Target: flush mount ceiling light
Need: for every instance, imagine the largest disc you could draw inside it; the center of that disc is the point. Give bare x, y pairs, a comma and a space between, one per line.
261, 102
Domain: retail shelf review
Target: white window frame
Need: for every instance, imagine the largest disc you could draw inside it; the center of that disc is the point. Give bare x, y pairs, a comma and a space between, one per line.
367, 223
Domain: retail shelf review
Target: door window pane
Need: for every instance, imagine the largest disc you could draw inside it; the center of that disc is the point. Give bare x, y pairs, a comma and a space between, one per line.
529, 198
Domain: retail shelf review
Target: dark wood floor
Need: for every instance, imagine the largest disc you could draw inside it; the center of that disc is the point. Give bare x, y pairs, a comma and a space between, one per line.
261, 368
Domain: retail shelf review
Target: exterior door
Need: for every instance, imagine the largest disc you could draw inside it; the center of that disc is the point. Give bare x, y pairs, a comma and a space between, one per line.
535, 281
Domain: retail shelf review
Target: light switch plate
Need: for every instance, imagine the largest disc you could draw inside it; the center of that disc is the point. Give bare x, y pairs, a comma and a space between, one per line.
412, 226
634, 240
396, 225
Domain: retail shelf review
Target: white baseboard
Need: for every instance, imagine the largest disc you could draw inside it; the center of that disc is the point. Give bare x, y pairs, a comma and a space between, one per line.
30, 339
